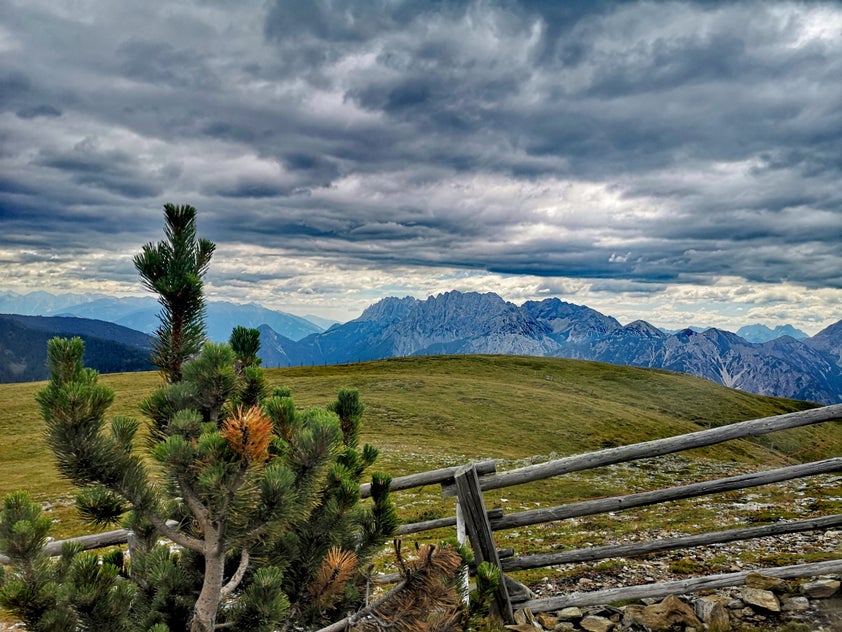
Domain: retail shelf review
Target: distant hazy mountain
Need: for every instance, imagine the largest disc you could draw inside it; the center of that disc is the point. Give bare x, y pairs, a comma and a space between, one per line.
761, 333
40, 303
137, 313
222, 317
324, 323
140, 313
109, 348
484, 323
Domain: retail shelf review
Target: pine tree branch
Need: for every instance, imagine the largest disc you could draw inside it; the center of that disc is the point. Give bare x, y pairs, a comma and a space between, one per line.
194, 504
194, 544
232, 491
347, 622
228, 588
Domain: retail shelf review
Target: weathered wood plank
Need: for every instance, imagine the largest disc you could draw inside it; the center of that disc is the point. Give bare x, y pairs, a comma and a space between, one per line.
664, 589
432, 477
620, 503
88, 542
440, 523
479, 532
539, 560
347, 622
658, 447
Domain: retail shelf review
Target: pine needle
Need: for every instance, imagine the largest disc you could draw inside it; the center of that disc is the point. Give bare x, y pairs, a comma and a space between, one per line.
329, 583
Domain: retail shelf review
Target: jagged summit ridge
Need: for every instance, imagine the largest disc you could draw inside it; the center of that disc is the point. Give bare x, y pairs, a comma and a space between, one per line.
473, 322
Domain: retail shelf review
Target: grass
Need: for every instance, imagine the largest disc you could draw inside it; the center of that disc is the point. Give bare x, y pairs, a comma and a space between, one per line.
426, 412
430, 412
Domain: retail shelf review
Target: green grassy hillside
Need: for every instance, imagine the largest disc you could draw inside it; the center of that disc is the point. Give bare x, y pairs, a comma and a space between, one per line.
430, 412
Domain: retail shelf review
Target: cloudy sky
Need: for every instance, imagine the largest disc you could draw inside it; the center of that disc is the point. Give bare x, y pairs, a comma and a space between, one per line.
673, 161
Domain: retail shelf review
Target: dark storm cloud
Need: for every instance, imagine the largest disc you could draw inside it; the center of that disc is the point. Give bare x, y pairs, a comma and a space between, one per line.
638, 141
113, 171
312, 164
38, 110
161, 63
248, 189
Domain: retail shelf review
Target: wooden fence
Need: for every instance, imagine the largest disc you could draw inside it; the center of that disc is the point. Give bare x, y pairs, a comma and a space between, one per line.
467, 483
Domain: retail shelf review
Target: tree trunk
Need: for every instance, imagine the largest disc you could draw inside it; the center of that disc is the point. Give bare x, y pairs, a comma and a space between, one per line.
207, 605
176, 348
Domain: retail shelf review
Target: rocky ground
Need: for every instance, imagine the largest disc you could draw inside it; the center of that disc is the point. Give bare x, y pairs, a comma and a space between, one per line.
763, 604
806, 605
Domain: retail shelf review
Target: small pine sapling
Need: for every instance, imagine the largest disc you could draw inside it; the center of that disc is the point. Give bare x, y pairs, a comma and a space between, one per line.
261, 500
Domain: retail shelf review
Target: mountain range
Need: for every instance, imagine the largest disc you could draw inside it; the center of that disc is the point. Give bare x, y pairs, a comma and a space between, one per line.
140, 313
457, 323
781, 362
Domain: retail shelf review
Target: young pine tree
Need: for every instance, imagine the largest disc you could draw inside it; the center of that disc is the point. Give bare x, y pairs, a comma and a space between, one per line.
337, 524
245, 343
260, 498
217, 476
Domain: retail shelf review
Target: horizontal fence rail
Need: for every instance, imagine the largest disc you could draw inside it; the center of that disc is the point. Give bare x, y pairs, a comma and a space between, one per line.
593, 553
88, 542
657, 447
680, 587
619, 503
433, 477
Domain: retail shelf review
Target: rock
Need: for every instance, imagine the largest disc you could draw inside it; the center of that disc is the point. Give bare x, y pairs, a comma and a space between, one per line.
522, 627
795, 604
603, 611
764, 582
525, 617
631, 615
517, 591
665, 615
713, 614
820, 588
765, 599
569, 614
564, 626
548, 622
596, 624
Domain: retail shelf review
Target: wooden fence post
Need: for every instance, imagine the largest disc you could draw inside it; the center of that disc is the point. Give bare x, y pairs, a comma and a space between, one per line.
478, 528
462, 538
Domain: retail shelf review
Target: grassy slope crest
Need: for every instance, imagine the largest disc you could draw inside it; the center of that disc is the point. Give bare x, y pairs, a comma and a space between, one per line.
428, 412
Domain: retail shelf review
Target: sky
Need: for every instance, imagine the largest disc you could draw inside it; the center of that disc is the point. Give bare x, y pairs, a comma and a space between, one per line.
677, 162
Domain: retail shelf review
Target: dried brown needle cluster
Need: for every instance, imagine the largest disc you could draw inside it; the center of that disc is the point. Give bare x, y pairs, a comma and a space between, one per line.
428, 600
329, 584
249, 434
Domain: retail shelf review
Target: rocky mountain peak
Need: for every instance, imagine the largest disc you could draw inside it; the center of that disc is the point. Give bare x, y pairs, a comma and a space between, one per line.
569, 319
829, 341
388, 310
644, 329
